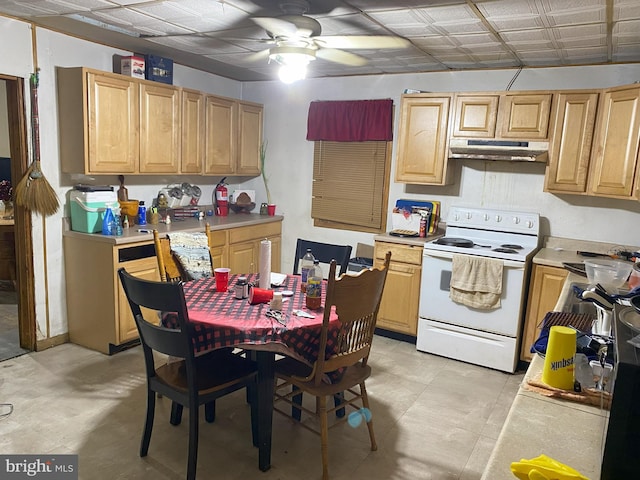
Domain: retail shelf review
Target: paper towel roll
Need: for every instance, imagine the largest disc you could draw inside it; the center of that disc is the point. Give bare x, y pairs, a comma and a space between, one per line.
265, 264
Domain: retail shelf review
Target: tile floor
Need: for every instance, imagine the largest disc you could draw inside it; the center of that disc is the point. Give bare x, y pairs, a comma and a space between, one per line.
434, 419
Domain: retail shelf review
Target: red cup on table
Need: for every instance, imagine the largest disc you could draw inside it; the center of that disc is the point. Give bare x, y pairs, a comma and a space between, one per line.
259, 295
222, 278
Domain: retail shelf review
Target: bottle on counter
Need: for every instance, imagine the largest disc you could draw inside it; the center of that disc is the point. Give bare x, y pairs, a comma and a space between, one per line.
117, 222
313, 297
142, 213
108, 221
306, 264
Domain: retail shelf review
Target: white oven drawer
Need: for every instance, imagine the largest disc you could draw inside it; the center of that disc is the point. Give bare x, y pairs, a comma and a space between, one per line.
479, 348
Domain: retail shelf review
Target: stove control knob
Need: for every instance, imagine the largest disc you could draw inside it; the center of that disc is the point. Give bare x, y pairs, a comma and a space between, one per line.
498, 218
456, 217
486, 217
529, 224
516, 220
468, 215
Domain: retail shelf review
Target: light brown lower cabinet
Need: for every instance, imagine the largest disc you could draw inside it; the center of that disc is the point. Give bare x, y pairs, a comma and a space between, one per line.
544, 291
98, 312
401, 296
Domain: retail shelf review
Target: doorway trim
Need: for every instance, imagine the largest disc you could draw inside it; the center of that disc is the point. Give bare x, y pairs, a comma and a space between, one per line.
25, 281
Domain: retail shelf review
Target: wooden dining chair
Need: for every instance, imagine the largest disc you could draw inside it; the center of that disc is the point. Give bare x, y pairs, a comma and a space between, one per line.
343, 355
191, 381
324, 253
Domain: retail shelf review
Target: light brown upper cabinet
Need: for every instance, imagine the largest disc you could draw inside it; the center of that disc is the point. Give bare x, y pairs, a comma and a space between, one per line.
573, 119
614, 158
233, 136
192, 158
422, 139
113, 124
160, 128
99, 122
507, 115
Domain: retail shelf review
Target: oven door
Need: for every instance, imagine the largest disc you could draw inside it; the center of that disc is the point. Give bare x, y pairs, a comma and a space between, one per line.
436, 305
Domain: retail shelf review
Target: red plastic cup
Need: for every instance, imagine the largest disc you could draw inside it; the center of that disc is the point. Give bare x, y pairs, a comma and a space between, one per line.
260, 295
222, 278
271, 210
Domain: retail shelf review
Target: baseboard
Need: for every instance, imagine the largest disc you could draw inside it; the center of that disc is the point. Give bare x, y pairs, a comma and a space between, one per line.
395, 335
52, 342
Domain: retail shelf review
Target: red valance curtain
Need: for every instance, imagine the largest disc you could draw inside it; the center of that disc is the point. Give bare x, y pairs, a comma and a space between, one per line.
351, 121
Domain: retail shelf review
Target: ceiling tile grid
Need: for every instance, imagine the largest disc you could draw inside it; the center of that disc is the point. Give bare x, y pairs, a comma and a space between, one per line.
443, 34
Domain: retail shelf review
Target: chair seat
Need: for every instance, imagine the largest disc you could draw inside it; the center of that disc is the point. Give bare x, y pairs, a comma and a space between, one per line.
214, 372
288, 369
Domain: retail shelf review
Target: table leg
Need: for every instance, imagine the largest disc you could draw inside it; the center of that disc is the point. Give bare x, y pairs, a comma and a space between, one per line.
266, 379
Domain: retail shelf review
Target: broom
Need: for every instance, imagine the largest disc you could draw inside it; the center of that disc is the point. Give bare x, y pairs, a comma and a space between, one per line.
34, 191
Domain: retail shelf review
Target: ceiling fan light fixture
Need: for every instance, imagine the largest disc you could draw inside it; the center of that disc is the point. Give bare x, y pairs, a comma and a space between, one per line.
293, 62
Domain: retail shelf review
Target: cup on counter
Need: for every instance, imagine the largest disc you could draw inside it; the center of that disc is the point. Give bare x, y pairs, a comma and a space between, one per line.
271, 210
559, 360
222, 278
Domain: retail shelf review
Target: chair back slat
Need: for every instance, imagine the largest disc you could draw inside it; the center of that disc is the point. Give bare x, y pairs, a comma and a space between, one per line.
356, 299
170, 269
324, 253
158, 297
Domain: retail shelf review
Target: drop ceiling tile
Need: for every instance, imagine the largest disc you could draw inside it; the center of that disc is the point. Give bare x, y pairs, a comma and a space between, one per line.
66, 6
524, 36
523, 22
576, 17
626, 10
198, 45
579, 31
375, 5
30, 9
546, 54
122, 16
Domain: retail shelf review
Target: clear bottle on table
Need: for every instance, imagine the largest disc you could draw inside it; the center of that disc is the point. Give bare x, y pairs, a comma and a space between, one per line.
313, 296
306, 264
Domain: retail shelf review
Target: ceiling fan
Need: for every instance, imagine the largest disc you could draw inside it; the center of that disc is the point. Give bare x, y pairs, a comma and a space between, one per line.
297, 40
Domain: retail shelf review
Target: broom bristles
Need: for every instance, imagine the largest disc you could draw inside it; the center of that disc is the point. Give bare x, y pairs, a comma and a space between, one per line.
35, 193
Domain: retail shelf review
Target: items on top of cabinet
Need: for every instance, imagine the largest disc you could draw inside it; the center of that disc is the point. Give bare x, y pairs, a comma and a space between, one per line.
132, 66
158, 69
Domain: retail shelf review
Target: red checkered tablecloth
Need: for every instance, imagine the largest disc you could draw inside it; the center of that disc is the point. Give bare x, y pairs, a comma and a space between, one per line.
221, 320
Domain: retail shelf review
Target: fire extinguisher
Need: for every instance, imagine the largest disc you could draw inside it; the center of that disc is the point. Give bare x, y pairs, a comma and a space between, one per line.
222, 199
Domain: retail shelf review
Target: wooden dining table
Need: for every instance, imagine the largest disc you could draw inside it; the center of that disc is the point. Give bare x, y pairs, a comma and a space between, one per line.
221, 321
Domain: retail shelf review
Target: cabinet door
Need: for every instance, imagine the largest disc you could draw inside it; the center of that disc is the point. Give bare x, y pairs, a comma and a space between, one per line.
113, 124
146, 269
573, 121
220, 135
615, 152
249, 138
422, 144
546, 286
276, 248
524, 116
192, 131
159, 129
399, 306
475, 116
243, 257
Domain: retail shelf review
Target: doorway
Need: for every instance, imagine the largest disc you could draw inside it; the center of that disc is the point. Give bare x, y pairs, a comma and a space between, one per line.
17, 302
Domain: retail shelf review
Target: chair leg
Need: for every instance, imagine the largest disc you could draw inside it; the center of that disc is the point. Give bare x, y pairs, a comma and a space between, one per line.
365, 404
321, 410
148, 424
176, 413
192, 461
296, 413
210, 411
338, 399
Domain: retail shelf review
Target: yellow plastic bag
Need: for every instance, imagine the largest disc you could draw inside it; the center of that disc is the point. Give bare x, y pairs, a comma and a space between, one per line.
544, 468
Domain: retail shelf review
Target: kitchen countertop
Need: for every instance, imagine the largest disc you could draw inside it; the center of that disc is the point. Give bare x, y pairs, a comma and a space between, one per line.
132, 235
418, 241
569, 432
557, 251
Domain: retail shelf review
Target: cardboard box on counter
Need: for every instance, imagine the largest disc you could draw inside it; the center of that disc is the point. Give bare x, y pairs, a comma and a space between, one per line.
132, 66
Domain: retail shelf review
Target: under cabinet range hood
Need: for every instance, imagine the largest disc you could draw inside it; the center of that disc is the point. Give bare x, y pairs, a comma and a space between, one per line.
499, 150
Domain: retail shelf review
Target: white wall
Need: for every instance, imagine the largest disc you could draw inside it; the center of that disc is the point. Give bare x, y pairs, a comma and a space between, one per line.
517, 186
289, 155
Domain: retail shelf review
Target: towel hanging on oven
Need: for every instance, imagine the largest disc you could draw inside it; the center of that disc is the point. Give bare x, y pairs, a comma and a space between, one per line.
476, 281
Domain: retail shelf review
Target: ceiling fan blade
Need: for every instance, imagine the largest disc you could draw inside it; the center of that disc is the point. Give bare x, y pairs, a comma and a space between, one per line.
258, 56
277, 26
339, 56
361, 41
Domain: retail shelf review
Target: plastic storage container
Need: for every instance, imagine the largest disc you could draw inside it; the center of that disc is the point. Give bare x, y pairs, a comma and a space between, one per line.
608, 273
87, 210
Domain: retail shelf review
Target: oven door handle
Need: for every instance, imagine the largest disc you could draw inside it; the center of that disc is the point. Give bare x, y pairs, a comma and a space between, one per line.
449, 256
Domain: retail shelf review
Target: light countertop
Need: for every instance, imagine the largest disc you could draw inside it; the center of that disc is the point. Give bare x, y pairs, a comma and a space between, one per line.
569, 432
132, 234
